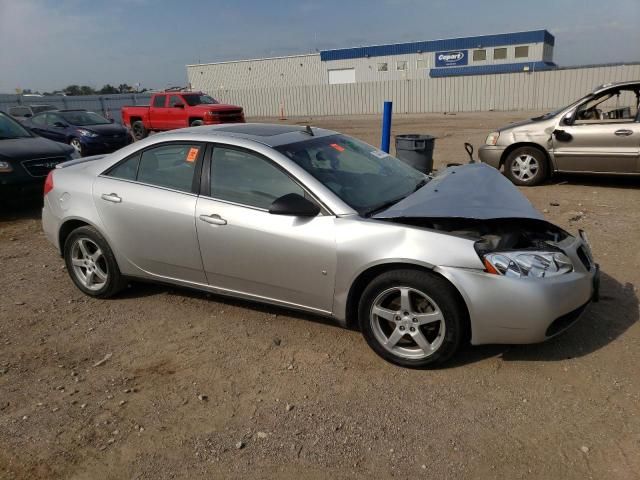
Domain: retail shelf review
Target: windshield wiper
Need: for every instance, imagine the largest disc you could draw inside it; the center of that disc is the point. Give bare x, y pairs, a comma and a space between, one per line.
384, 206
390, 203
421, 184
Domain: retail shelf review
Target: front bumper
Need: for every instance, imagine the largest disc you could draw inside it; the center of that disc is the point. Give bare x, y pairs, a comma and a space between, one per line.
524, 310
98, 145
491, 154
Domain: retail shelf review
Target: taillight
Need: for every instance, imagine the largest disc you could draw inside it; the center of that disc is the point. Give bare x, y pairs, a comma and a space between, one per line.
48, 183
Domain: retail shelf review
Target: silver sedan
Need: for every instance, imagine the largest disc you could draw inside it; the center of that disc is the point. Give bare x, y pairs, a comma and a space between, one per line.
313, 220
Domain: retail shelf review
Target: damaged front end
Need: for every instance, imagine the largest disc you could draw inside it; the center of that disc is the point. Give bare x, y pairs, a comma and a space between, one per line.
511, 237
507, 246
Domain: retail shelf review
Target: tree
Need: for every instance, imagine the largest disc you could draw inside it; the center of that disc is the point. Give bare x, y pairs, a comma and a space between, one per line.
124, 88
72, 90
86, 90
108, 90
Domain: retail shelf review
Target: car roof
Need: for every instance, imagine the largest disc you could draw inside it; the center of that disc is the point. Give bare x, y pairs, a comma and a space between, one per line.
607, 86
270, 134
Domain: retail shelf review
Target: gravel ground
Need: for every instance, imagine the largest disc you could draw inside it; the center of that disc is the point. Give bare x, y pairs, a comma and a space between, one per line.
170, 383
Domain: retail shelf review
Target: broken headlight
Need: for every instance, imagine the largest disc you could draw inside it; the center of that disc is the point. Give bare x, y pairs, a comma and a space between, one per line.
521, 264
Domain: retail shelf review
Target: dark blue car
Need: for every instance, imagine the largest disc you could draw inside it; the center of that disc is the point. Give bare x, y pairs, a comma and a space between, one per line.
87, 132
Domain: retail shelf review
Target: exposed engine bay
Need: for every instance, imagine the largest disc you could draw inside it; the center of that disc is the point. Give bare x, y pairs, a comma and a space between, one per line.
497, 234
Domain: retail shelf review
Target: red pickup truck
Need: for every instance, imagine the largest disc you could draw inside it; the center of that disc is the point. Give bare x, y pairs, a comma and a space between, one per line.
171, 110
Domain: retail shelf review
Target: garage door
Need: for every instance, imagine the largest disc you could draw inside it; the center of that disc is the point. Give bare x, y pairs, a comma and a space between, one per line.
343, 75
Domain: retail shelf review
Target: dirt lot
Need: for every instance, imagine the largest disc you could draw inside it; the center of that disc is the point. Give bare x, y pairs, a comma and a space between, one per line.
185, 376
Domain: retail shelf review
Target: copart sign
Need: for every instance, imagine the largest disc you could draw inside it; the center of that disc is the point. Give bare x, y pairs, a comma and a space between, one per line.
452, 58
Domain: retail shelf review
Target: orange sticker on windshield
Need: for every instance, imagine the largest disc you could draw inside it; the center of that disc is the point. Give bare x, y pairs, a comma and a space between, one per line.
337, 147
193, 154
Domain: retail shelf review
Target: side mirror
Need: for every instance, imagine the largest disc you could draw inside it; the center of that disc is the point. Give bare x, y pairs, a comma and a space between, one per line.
59, 125
568, 118
178, 105
294, 205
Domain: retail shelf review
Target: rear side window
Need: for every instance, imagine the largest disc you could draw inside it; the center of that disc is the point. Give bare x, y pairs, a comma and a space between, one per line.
242, 177
126, 170
158, 100
171, 166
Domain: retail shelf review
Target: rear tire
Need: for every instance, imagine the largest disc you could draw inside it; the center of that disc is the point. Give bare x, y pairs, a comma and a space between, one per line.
412, 318
526, 166
196, 123
91, 263
138, 130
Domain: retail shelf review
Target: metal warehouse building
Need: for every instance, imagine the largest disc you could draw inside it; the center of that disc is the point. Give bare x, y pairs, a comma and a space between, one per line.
508, 71
507, 52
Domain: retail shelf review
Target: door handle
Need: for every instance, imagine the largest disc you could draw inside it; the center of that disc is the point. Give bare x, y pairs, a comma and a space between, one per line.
111, 197
214, 219
623, 133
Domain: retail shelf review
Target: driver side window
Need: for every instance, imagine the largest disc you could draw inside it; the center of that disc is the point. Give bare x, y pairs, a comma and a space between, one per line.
52, 119
245, 178
617, 106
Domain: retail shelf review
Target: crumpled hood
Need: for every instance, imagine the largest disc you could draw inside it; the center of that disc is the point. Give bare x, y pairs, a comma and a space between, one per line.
468, 191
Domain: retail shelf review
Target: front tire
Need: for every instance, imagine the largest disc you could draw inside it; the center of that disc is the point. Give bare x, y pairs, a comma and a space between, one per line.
138, 130
91, 263
412, 318
196, 123
526, 166
77, 145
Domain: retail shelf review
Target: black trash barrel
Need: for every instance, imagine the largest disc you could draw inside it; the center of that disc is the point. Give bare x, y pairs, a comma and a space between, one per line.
416, 150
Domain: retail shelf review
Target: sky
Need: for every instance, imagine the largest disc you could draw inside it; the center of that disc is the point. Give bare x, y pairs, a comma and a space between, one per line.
49, 44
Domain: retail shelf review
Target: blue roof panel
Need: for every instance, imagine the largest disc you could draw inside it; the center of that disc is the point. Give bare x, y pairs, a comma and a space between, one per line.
534, 36
489, 69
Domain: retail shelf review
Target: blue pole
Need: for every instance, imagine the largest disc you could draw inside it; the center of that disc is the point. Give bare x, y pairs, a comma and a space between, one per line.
386, 127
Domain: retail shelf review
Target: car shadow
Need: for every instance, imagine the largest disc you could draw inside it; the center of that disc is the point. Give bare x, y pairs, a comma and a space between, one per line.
138, 289
596, 180
20, 208
602, 323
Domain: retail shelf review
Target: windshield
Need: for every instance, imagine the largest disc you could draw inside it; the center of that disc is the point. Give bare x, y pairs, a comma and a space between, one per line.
556, 112
364, 177
82, 118
197, 99
9, 128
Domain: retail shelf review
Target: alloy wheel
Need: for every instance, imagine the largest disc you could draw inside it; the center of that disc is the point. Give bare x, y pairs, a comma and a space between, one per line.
407, 323
75, 143
89, 264
525, 167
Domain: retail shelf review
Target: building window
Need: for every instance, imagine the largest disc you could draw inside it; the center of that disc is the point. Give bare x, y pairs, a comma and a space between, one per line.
383, 67
522, 52
479, 55
422, 63
500, 53
401, 65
